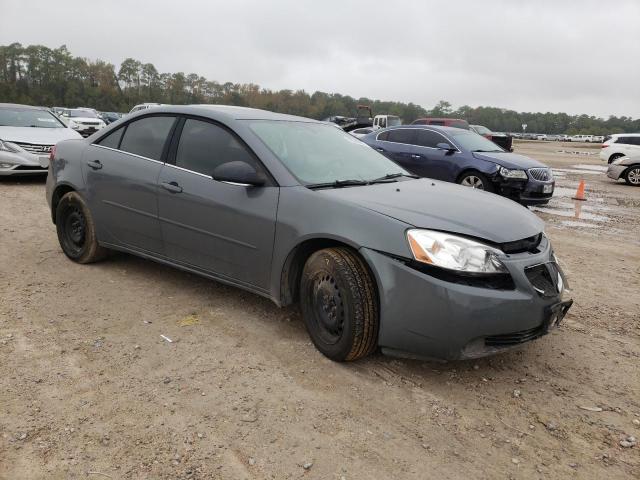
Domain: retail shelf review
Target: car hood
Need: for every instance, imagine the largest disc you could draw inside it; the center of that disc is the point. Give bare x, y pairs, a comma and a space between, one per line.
443, 206
43, 136
509, 160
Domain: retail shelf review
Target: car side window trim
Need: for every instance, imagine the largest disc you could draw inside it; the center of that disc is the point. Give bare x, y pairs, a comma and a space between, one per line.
412, 145
175, 141
127, 153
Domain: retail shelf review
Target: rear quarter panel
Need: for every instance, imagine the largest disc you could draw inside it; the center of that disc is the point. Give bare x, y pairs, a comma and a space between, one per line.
66, 168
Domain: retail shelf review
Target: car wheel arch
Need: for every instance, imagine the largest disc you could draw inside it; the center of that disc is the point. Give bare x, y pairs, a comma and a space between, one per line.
291, 272
615, 156
60, 191
476, 170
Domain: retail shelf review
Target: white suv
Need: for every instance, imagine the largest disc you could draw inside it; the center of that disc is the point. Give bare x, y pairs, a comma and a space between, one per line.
620, 145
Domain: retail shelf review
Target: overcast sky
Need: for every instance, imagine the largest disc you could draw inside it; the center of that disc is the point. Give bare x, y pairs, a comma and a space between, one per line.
573, 56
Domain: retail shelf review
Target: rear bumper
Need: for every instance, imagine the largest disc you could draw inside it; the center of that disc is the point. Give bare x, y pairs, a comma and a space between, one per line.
425, 317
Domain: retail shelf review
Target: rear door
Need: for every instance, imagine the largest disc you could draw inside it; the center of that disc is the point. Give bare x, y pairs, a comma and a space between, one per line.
397, 145
121, 172
223, 229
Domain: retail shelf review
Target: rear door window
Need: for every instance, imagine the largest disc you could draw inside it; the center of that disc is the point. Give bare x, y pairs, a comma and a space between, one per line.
203, 146
112, 140
402, 135
429, 138
147, 137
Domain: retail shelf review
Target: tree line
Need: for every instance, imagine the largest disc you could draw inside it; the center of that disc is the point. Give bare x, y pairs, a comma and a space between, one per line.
38, 75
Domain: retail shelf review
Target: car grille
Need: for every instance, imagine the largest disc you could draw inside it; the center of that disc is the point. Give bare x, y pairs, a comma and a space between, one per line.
545, 278
35, 148
515, 338
89, 123
542, 174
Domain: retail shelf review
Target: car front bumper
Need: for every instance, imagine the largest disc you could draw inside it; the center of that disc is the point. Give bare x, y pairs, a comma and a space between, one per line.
616, 171
424, 317
526, 192
22, 163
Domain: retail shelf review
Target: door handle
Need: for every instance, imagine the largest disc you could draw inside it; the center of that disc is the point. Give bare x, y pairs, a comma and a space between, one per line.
172, 187
380, 149
415, 156
95, 164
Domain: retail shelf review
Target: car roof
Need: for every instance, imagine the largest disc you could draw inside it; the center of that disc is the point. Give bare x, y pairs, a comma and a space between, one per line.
23, 107
227, 112
625, 135
437, 128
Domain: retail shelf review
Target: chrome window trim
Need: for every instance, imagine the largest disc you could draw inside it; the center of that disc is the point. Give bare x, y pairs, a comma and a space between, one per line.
189, 171
128, 153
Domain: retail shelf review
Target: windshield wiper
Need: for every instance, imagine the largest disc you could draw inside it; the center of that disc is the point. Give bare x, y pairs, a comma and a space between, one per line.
337, 184
391, 176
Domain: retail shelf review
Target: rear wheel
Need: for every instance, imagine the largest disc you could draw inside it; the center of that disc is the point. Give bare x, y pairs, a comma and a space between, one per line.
632, 176
76, 230
615, 156
477, 180
339, 304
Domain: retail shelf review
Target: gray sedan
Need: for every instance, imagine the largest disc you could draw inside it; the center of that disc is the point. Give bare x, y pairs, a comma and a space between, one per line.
299, 211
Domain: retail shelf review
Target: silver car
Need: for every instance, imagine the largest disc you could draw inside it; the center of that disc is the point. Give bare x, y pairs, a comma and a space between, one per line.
627, 168
27, 135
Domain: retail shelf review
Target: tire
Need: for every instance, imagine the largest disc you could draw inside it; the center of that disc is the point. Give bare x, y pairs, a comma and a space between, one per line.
615, 156
76, 230
475, 179
632, 176
339, 304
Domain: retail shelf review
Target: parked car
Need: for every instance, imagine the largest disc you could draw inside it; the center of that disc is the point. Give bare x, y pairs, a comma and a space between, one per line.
27, 135
361, 132
597, 139
627, 168
144, 106
298, 211
84, 121
464, 157
581, 138
501, 139
541, 136
620, 145
443, 122
563, 138
110, 117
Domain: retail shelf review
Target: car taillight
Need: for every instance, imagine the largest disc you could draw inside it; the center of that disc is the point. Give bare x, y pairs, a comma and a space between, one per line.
604, 145
52, 154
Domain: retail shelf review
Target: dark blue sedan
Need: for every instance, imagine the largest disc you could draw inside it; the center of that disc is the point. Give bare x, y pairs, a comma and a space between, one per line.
464, 157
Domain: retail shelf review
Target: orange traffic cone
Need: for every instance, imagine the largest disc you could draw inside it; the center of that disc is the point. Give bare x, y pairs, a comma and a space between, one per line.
580, 192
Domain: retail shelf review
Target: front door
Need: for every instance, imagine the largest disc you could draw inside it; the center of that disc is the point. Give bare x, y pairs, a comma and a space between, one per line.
227, 230
121, 172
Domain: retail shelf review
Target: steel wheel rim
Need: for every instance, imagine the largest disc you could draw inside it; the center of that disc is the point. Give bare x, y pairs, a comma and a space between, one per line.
634, 176
328, 308
473, 182
74, 230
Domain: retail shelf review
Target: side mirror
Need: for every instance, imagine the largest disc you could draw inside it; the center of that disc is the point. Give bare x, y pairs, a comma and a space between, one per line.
238, 173
445, 146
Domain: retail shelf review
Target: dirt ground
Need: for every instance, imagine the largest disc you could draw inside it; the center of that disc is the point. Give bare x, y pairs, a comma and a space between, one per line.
90, 389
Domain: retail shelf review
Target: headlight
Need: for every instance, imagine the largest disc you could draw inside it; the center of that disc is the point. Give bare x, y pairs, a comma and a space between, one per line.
452, 252
73, 125
507, 173
6, 147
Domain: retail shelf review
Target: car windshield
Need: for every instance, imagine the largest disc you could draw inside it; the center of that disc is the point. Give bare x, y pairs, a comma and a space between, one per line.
393, 121
82, 113
317, 153
473, 142
19, 117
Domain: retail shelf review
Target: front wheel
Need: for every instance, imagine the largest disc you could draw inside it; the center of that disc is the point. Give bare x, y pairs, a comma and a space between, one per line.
632, 176
339, 304
76, 230
476, 180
